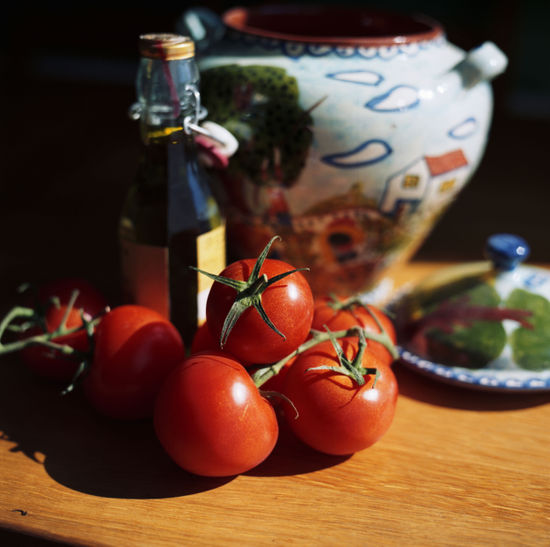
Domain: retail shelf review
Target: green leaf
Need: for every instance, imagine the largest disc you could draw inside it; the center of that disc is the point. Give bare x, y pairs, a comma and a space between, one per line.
474, 344
531, 347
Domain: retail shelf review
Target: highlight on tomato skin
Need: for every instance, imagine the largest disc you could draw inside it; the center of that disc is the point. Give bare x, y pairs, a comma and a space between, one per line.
330, 412
135, 350
212, 420
288, 303
208, 414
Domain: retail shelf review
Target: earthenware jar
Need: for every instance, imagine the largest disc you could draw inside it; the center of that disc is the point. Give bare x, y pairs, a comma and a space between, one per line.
356, 130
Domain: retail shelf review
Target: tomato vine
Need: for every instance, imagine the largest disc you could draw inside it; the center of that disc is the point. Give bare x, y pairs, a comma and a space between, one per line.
34, 317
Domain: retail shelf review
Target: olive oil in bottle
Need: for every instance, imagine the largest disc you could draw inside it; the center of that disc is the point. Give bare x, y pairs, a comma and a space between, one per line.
170, 220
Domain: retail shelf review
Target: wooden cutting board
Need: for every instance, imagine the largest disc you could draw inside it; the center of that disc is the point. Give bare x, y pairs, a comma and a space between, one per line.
457, 467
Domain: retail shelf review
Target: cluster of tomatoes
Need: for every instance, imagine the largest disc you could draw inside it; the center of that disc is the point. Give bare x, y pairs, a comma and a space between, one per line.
268, 351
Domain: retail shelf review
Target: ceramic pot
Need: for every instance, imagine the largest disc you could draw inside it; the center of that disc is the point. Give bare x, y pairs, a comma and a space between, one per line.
356, 131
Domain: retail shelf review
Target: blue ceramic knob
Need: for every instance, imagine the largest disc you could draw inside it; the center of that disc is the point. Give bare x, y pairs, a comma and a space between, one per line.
506, 251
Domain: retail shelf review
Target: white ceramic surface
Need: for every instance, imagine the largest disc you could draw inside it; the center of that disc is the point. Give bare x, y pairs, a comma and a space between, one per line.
392, 128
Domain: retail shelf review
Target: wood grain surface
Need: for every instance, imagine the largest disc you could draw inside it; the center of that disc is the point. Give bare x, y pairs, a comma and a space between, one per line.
457, 467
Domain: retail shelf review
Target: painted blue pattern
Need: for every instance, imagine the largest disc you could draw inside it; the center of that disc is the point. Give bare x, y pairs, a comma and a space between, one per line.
388, 52
397, 99
320, 50
367, 153
360, 77
464, 129
269, 43
345, 52
295, 50
502, 380
535, 281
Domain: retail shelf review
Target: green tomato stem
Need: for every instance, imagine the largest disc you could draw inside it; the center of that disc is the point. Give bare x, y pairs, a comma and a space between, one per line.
249, 293
352, 368
46, 338
82, 368
13, 314
70, 304
381, 337
251, 296
262, 375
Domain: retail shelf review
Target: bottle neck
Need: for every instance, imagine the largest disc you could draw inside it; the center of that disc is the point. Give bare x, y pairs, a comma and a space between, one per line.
165, 93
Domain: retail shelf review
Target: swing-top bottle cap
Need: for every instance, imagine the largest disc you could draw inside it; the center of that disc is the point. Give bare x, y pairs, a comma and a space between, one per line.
166, 46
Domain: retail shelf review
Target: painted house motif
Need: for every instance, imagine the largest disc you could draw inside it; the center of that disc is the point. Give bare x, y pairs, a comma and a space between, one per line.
430, 180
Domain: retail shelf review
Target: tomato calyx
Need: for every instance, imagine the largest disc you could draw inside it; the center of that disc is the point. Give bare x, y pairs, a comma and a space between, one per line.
353, 302
262, 375
353, 368
249, 293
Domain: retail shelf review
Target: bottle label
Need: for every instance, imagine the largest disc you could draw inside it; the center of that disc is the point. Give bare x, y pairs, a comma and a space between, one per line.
145, 275
210, 258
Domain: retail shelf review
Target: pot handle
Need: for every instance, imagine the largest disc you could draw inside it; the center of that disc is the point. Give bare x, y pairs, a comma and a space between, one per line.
202, 25
481, 64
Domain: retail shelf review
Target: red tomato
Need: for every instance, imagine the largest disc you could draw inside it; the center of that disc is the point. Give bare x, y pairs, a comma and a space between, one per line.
203, 340
211, 419
355, 315
275, 383
48, 362
335, 414
288, 303
135, 349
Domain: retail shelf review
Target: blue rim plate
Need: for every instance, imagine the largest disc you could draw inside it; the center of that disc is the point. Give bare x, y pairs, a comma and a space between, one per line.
484, 379
506, 275
506, 253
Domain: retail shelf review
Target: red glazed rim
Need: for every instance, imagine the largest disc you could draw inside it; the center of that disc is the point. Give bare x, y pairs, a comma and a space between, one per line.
332, 25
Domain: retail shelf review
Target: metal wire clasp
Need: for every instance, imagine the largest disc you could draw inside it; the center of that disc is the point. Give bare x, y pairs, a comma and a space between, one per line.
191, 99
191, 102
218, 140
191, 122
135, 110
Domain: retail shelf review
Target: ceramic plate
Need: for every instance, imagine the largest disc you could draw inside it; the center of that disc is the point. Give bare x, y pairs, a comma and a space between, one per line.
502, 315
485, 378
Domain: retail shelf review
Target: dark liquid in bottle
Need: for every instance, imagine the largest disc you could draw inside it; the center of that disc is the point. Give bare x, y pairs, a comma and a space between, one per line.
171, 206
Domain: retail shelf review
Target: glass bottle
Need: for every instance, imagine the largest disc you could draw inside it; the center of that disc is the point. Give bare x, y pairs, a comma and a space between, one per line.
170, 219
